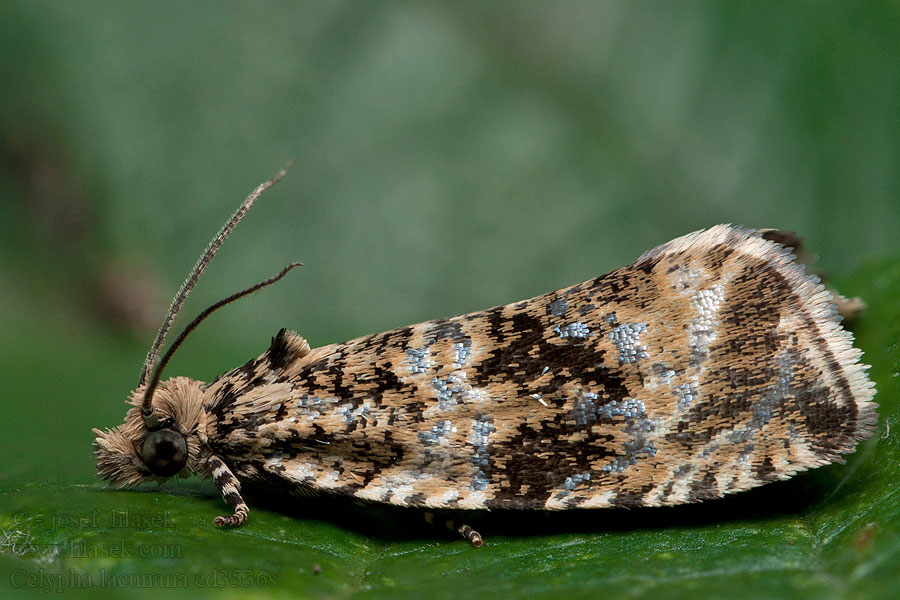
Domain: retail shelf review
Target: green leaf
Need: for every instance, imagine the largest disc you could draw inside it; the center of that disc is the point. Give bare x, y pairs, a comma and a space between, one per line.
831, 533
449, 157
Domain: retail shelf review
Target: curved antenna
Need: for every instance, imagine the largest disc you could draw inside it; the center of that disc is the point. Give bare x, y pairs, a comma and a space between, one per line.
146, 408
191, 281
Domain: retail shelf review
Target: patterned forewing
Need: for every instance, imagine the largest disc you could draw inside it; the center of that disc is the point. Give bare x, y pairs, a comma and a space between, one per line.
697, 371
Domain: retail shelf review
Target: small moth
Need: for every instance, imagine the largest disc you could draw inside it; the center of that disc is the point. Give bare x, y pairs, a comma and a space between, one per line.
710, 365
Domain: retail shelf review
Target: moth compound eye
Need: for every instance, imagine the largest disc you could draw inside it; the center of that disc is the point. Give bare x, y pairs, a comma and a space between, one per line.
164, 451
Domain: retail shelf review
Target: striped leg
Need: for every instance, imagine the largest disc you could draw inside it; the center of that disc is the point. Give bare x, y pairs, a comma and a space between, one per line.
230, 488
464, 530
471, 535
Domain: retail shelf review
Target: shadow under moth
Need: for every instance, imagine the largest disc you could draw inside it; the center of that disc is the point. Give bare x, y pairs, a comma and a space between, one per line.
710, 365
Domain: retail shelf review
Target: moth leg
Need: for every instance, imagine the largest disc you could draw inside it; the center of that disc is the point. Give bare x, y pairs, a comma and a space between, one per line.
848, 308
230, 488
464, 530
471, 535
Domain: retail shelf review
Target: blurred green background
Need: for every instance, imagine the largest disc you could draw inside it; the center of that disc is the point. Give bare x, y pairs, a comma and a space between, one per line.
447, 157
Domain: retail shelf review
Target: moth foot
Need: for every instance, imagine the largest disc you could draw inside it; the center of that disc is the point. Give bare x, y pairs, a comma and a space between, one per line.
235, 520
471, 535
230, 488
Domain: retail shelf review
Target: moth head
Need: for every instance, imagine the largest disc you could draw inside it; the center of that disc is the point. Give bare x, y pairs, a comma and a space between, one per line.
163, 431
132, 453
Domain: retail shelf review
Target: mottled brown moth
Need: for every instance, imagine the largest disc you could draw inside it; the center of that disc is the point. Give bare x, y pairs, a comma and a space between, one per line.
710, 365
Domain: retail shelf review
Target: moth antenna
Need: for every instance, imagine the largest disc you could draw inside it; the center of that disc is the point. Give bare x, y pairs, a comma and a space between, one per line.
146, 408
191, 281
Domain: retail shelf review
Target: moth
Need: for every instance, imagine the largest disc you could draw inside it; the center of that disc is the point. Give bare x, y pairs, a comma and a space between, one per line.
710, 365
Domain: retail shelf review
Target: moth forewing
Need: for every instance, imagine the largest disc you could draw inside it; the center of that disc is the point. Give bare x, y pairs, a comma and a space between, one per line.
712, 364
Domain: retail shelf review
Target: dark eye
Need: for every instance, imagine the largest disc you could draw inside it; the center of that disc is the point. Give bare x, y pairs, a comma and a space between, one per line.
164, 451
